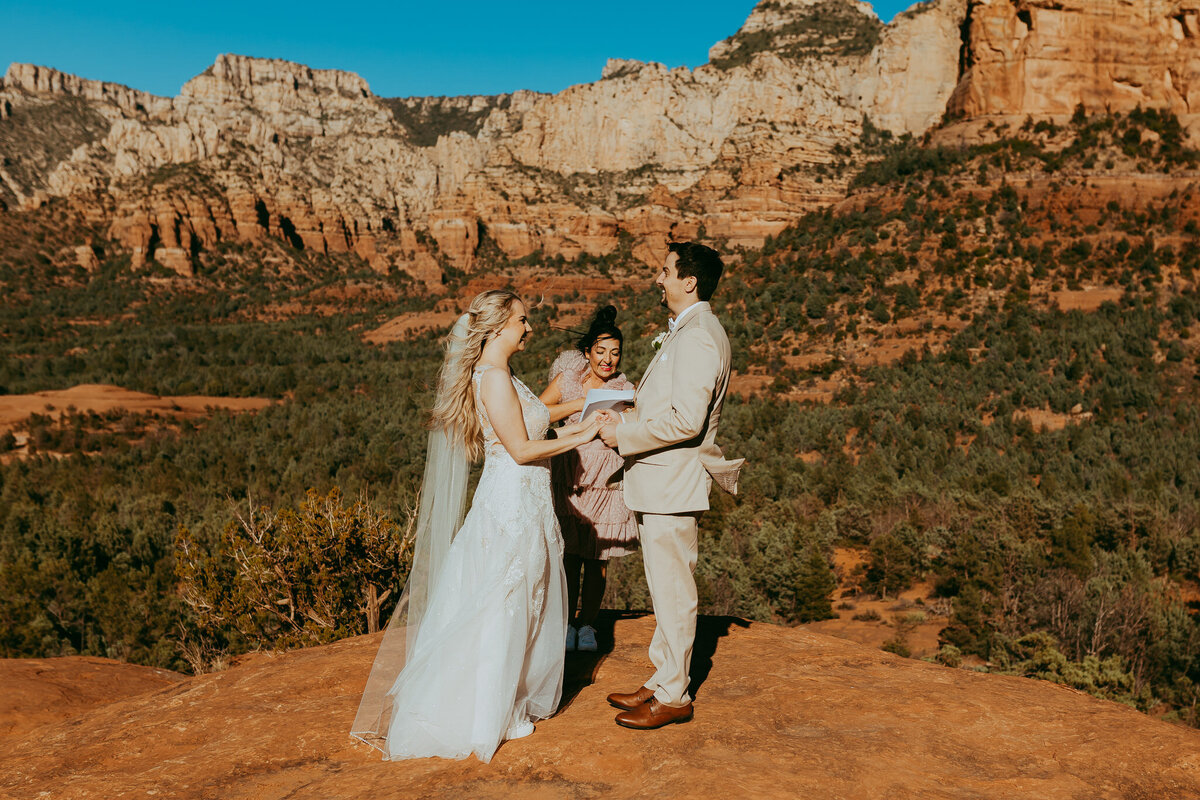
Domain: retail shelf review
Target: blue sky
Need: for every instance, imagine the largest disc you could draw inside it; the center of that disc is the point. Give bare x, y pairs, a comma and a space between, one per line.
400, 48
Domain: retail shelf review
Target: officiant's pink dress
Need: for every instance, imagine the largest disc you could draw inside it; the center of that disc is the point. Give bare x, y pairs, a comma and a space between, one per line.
594, 519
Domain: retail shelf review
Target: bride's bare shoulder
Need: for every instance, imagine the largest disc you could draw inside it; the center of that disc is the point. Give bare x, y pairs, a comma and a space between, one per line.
493, 379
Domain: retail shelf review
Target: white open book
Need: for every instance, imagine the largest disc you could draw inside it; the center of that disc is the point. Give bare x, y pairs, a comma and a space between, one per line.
600, 399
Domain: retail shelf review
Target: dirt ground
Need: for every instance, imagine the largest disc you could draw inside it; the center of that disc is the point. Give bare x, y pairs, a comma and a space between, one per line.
99, 398
15, 409
780, 713
408, 325
534, 285
40, 691
1086, 299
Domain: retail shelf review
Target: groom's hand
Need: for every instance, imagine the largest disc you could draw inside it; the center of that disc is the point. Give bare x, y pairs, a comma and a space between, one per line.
608, 435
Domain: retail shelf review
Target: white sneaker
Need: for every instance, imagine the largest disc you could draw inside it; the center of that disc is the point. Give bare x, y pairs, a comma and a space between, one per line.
519, 730
587, 639
571, 634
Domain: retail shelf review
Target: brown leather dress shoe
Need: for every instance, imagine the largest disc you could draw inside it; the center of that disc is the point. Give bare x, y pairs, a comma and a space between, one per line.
653, 715
632, 700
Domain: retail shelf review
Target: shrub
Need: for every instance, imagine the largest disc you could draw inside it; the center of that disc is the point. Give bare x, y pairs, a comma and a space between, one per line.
892, 566
950, 656
815, 584
1037, 655
296, 577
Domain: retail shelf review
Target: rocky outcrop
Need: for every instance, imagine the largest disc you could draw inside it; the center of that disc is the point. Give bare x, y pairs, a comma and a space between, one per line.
257, 147
1045, 57
739, 148
799, 28
34, 80
911, 75
46, 691
780, 713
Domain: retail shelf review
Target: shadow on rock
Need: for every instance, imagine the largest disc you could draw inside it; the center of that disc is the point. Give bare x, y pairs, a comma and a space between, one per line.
581, 668
708, 631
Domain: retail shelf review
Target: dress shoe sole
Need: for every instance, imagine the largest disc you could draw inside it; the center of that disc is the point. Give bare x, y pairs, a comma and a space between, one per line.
688, 718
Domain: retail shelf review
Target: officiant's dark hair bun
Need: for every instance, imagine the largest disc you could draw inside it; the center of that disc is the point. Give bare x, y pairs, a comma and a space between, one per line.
603, 324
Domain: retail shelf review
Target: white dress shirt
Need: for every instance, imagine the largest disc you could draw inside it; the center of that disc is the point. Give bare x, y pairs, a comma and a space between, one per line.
671, 323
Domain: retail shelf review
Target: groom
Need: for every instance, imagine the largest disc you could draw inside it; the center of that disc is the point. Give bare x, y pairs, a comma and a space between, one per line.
671, 462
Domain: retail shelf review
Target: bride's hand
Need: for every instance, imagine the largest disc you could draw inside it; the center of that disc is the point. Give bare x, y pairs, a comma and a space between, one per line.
605, 417
597, 421
607, 430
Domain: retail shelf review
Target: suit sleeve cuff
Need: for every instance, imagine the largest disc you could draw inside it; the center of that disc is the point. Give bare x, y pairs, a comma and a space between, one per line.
622, 434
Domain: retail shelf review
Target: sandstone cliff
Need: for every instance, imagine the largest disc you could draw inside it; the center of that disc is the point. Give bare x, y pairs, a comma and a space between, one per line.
780, 713
737, 148
1045, 57
254, 148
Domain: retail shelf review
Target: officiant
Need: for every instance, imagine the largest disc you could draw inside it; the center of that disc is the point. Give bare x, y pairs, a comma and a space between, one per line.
596, 524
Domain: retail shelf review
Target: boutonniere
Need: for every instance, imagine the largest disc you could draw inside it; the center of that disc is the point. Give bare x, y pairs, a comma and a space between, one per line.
657, 341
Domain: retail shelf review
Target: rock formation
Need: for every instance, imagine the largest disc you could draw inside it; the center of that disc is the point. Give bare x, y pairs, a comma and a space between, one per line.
738, 148
48, 691
1045, 57
780, 713
254, 147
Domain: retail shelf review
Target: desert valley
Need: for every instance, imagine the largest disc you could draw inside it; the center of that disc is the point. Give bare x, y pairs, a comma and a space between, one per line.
963, 250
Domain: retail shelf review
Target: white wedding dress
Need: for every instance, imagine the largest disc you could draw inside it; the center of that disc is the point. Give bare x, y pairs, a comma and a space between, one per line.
488, 657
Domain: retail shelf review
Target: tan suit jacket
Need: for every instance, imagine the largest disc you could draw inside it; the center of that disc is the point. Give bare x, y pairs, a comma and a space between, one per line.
670, 445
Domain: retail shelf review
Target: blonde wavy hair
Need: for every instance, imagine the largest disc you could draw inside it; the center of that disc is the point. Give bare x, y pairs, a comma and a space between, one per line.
454, 411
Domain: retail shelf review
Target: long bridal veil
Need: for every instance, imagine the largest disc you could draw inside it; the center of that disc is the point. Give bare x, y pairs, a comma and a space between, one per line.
443, 503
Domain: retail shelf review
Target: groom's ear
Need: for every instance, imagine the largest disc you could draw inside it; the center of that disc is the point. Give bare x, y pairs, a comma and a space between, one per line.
689, 284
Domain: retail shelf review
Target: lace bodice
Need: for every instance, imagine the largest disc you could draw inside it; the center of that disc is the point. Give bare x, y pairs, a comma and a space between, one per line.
534, 411
512, 494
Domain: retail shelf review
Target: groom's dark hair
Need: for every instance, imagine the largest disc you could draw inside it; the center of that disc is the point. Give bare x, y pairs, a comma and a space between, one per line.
699, 262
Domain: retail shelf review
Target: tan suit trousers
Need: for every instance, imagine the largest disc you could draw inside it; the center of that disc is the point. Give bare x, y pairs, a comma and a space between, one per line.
669, 552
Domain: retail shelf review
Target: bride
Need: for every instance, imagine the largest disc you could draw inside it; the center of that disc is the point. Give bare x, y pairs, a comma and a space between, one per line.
473, 653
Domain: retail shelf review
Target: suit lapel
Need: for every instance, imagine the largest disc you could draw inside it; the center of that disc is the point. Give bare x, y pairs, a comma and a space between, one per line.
689, 319
653, 362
